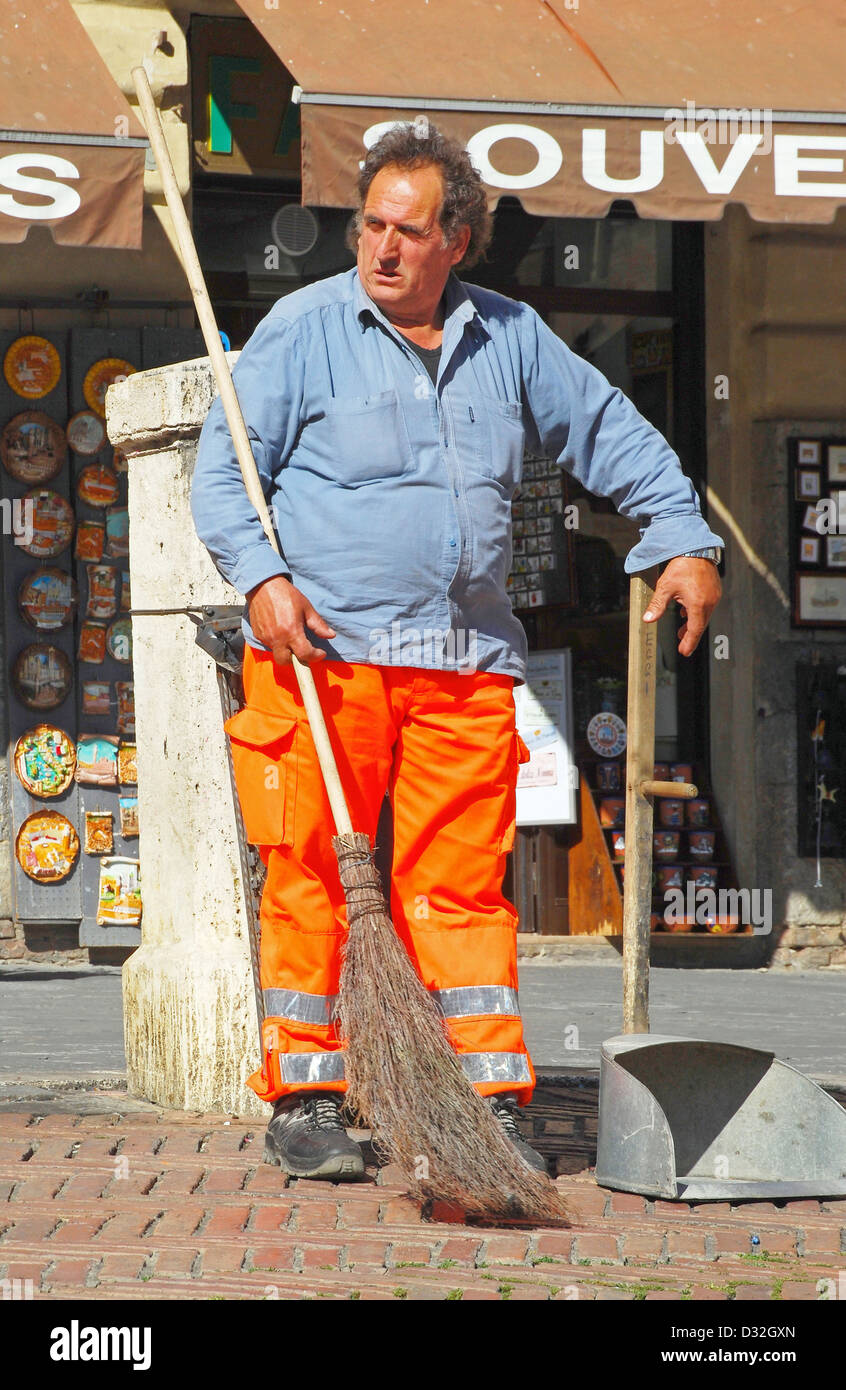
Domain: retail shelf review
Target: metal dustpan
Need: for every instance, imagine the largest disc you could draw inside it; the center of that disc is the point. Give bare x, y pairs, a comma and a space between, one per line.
681, 1118
705, 1121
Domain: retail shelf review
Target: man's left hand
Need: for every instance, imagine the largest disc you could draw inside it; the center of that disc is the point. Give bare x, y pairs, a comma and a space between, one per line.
695, 585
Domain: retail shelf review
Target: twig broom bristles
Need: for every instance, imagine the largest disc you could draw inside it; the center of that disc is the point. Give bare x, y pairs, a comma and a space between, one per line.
404, 1078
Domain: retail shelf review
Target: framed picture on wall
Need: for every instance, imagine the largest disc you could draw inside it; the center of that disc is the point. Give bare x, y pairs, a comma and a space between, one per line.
835, 548
807, 483
816, 480
821, 600
836, 462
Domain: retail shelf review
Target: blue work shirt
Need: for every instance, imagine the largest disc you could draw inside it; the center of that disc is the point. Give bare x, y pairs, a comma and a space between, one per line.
391, 498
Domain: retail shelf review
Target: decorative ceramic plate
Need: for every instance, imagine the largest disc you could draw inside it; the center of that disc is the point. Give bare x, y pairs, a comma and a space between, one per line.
606, 734
96, 760
127, 772
100, 377
42, 676
117, 532
90, 540
45, 760
33, 448
47, 599
99, 832
119, 639
52, 523
86, 432
102, 591
97, 485
32, 367
46, 846
120, 892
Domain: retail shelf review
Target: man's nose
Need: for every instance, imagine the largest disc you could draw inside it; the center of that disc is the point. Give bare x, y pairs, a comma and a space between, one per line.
388, 245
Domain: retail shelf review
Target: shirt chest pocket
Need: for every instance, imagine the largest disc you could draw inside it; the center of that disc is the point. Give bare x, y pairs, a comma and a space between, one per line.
490, 438
368, 438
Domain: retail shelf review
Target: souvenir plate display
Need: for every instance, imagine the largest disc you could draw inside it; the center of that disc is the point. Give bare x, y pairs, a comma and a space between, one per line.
47, 599
102, 591
96, 760
46, 846
119, 639
42, 676
90, 540
120, 892
606, 734
100, 377
32, 447
45, 760
32, 367
52, 523
86, 432
97, 485
125, 591
99, 833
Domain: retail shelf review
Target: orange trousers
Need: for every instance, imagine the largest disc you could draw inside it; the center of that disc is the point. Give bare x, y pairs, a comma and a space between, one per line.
444, 747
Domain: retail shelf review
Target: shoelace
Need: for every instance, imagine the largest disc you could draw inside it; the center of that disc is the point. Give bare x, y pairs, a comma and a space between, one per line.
322, 1113
505, 1114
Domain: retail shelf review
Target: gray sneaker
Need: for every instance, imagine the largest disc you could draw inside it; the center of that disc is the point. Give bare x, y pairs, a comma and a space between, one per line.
307, 1139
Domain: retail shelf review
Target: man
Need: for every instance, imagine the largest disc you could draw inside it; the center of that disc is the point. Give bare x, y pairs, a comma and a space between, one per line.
389, 408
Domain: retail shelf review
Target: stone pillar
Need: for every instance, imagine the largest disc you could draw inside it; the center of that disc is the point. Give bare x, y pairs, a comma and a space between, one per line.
189, 1011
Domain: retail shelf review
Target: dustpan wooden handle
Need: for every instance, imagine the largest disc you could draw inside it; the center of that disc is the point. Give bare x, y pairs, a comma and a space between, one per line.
235, 420
640, 765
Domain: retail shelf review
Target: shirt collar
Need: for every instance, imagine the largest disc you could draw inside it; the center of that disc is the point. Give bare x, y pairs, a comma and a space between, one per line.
459, 307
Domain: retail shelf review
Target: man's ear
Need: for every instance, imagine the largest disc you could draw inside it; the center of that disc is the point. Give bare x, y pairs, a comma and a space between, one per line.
459, 246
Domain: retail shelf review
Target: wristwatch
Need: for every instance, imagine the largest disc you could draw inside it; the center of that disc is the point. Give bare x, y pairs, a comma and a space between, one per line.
711, 552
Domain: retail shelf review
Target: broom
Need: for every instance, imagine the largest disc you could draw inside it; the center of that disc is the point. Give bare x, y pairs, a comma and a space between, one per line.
405, 1080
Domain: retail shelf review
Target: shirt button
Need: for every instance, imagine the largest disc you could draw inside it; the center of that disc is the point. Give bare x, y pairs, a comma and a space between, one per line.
453, 542
456, 492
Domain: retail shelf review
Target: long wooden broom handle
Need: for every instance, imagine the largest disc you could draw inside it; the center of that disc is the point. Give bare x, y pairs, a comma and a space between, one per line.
640, 787
235, 420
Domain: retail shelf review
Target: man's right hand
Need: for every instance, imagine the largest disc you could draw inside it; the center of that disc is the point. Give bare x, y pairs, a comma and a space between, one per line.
279, 615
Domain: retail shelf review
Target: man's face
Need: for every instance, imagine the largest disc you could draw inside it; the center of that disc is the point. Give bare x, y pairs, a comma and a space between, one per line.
402, 262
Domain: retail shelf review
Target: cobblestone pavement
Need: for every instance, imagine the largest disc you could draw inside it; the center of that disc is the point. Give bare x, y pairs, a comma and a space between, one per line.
179, 1206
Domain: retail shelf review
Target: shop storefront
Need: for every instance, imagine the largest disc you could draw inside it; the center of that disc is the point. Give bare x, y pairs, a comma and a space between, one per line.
607, 213
670, 208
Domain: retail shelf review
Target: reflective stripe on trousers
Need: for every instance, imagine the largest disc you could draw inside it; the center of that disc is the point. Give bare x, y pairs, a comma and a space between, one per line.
295, 1004
315, 1068
468, 1001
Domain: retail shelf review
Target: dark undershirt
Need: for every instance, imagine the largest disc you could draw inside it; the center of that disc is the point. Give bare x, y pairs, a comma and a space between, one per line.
430, 357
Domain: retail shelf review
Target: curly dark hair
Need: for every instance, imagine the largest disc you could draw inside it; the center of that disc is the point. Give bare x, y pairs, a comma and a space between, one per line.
412, 145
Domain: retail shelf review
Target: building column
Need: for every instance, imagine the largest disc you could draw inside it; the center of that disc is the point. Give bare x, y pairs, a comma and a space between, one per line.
189, 1011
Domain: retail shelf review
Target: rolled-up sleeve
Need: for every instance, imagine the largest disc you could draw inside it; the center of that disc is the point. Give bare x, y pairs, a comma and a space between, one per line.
269, 382
594, 431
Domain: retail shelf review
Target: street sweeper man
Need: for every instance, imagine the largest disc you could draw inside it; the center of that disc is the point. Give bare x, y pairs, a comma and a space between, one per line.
389, 408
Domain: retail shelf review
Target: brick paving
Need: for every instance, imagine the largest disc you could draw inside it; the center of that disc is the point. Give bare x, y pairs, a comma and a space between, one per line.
176, 1206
